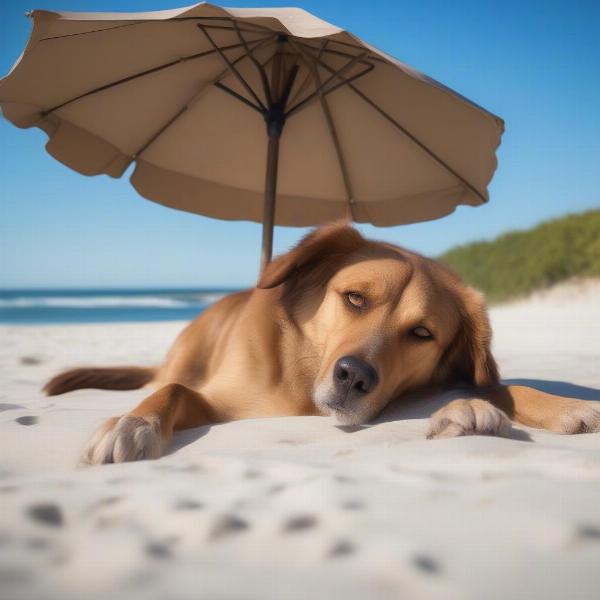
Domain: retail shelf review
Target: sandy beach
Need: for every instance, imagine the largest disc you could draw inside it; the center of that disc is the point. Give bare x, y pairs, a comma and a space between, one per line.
297, 507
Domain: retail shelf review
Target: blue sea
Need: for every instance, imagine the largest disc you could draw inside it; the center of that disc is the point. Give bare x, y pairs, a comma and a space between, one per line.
104, 306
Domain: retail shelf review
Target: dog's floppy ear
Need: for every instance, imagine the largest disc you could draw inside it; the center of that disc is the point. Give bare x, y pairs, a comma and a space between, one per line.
470, 359
328, 240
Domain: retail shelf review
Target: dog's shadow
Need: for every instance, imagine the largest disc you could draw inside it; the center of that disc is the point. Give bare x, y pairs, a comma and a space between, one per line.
559, 388
422, 406
186, 437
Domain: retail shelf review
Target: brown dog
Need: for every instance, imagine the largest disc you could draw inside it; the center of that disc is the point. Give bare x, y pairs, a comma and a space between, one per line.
339, 325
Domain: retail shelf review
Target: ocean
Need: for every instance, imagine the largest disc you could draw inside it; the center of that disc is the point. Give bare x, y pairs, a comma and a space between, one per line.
36, 307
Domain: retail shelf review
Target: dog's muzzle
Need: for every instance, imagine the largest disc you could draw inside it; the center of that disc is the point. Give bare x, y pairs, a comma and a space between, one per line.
353, 378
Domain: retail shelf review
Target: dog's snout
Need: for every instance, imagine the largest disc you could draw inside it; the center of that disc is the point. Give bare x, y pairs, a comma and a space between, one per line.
353, 377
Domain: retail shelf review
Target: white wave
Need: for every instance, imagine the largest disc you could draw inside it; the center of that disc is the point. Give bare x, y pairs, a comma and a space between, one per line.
210, 298
107, 302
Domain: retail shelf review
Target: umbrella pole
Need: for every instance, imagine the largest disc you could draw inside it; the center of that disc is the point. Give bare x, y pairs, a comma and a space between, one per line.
269, 202
275, 120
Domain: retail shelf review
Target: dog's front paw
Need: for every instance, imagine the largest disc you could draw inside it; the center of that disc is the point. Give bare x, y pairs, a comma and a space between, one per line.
124, 439
580, 417
468, 417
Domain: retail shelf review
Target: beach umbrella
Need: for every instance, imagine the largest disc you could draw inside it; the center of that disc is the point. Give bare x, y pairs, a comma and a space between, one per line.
268, 114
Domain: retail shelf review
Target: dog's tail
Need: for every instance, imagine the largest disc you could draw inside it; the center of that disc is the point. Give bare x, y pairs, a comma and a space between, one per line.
108, 378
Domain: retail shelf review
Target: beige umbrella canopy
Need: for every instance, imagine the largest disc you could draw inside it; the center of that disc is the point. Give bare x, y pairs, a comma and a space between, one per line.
268, 114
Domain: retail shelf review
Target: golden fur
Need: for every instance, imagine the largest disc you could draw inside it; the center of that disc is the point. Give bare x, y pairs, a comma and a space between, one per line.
339, 325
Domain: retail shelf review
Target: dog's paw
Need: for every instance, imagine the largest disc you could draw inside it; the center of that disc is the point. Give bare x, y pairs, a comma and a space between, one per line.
124, 439
468, 417
582, 417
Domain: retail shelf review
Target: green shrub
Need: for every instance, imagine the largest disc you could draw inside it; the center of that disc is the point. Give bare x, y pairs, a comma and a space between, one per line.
517, 263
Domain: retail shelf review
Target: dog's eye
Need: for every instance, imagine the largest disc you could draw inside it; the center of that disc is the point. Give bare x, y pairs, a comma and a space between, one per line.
422, 332
356, 300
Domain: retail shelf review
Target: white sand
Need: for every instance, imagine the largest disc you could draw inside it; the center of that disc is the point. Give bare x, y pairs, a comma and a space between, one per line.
296, 507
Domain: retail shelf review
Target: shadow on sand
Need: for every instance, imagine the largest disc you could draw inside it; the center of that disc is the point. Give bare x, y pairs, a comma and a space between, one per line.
186, 437
560, 388
423, 406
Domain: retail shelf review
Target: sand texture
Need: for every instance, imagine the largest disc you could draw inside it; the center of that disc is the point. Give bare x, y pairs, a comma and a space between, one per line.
297, 507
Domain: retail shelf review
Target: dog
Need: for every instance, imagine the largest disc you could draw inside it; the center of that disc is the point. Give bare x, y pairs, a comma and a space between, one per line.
339, 325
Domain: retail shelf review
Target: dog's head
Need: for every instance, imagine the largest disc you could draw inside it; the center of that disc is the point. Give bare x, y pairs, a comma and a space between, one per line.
381, 321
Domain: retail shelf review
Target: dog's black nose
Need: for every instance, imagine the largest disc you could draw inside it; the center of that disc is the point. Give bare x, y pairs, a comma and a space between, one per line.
353, 378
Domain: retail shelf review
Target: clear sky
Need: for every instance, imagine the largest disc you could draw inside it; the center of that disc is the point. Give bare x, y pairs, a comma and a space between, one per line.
535, 63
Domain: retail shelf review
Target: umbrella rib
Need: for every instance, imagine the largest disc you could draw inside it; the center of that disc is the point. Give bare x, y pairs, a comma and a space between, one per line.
332, 129
259, 105
67, 35
370, 56
344, 82
407, 133
230, 19
335, 75
149, 22
112, 84
338, 150
235, 23
261, 71
288, 85
187, 105
234, 28
330, 50
301, 88
239, 97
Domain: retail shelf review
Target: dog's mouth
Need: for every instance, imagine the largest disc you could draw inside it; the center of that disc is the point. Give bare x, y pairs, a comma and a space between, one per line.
335, 409
328, 403
342, 416
325, 400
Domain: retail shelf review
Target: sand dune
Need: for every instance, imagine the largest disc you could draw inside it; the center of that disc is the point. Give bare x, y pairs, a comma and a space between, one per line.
297, 507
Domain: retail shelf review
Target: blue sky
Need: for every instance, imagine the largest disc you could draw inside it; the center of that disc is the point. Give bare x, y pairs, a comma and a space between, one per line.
534, 63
